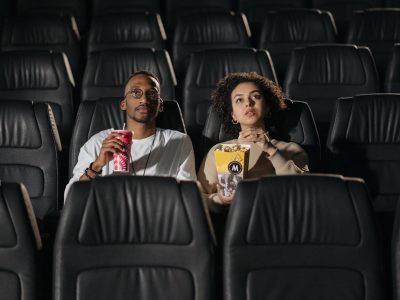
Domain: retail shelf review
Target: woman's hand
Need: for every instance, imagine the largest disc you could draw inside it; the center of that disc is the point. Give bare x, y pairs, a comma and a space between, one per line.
259, 137
224, 199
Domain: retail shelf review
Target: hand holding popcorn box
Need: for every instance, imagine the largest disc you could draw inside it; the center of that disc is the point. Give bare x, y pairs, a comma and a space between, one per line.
231, 161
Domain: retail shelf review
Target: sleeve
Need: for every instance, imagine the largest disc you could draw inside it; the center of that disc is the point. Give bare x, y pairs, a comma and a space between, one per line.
187, 167
291, 160
87, 154
208, 179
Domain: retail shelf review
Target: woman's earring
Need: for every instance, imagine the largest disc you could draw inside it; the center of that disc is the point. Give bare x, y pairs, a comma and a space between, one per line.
234, 122
161, 105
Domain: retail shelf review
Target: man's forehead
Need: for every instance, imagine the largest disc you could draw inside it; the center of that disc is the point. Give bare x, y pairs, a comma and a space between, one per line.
141, 80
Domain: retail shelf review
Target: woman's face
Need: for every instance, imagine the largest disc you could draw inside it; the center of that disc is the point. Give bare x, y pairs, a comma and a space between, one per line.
248, 105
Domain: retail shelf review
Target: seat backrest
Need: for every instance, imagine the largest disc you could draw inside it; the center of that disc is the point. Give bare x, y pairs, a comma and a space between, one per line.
284, 30
206, 68
392, 78
43, 32
95, 116
147, 243
19, 244
75, 8
28, 152
297, 126
106, 72
207, 30
39, 76
176, 8
395, 255
378, 29
364, 141
103, 7
302, 237
320, 74
126, 30
342, 11
255, 10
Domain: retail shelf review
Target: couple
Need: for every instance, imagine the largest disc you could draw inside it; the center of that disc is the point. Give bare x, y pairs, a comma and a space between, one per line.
245, 102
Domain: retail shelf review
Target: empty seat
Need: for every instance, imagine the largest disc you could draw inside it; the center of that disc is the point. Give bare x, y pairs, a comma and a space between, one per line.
106, 72
255, 10
284, 30
121, 238
39, 76
320, 74
395, 255
177, 8
77, 9
209, 30
95, 116
342, 11
38, 32
205, 69
102, 7
364, 141
302, 237
379, 30
126, 30
297, 125
28, 152
392, 78
19, 244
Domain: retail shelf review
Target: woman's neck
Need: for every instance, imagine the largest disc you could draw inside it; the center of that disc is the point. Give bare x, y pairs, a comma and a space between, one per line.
255, 126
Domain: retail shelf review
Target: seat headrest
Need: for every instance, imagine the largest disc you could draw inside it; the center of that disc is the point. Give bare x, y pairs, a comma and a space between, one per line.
134, 203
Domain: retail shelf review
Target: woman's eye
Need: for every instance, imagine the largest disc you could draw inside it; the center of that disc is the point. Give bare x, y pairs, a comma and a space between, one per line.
256, 96
238, 100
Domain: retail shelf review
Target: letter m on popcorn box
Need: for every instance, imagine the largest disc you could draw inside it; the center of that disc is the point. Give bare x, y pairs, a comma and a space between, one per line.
231, 162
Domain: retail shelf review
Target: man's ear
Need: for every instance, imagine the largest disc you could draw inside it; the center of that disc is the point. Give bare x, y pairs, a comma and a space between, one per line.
122, 104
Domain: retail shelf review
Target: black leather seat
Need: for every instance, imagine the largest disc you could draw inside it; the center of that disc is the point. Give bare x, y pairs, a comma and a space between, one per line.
379, 30
121, 238
320, 74
256, 10
205, 69
207, 30
72, 8
177, 8
95, 116
298, 126
28, 152
39, 76
106, 72
284, 30
364, 141
126, 30
342, 11
302, 237
395, 255
19, 244
103, 7
392, 79
44, 32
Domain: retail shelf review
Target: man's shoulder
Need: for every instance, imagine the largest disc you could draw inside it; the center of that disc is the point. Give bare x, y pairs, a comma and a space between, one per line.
100, 136
173, 134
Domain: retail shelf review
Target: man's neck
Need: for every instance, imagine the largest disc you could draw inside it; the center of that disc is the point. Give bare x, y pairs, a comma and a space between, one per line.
142, 131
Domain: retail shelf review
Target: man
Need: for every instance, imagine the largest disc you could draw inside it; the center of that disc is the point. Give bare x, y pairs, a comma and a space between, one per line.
154, 151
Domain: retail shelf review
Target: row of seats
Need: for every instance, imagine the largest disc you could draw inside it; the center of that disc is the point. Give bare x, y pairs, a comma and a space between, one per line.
171, 10
281, 32
316, 74
364, 141
291, 237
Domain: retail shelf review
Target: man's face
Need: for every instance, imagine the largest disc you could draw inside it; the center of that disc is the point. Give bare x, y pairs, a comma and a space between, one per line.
142, 99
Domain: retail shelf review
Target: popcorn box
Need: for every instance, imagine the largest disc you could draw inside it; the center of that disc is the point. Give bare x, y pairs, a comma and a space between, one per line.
231, 161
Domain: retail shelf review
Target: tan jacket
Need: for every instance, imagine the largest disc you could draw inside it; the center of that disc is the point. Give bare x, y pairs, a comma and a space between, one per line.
290, 158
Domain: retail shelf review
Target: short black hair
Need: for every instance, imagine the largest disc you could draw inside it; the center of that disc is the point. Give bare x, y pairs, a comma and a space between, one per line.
142, 72
272, 94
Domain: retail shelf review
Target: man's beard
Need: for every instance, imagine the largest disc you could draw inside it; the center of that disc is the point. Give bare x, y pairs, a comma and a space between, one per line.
147, 119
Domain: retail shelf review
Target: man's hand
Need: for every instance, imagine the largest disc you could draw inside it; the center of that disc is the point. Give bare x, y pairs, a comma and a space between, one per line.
111, 145
259, 137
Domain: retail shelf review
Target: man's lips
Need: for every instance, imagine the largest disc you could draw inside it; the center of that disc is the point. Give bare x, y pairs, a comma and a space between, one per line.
143, 108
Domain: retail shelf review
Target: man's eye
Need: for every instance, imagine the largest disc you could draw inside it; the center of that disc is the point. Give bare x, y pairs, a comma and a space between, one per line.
137, 93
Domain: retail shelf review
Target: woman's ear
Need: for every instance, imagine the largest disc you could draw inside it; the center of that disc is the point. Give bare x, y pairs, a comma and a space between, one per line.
122, 104
233, 117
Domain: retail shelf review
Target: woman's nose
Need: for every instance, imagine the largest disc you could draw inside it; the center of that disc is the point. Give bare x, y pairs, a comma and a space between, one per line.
249, 102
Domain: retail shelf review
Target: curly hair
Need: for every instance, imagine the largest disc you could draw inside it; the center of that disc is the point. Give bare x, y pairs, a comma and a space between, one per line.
222, 103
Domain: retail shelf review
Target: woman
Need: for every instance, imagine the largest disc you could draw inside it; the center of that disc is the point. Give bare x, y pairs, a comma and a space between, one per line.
248, 106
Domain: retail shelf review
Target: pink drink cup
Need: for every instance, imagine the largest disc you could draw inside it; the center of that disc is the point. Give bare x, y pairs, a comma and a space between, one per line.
122, 159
